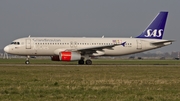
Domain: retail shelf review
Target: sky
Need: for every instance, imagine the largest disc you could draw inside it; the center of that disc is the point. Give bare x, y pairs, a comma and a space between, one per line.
86, 18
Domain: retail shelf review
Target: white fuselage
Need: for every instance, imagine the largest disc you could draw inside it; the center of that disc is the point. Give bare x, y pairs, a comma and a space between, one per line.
49, 46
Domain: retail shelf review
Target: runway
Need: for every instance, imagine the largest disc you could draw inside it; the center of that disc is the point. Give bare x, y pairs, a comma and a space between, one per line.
72, 65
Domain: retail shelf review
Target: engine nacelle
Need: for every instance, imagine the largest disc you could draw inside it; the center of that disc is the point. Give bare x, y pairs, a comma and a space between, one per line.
66, 56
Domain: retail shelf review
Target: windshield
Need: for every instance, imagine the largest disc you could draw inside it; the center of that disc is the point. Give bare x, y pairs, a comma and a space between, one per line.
15, 43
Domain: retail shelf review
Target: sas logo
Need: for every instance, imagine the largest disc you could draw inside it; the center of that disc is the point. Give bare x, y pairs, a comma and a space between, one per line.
154, 33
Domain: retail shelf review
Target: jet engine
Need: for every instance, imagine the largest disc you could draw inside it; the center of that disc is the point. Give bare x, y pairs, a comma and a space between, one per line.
66, 56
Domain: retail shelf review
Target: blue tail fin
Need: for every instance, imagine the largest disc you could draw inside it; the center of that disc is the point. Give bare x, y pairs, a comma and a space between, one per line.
156, 28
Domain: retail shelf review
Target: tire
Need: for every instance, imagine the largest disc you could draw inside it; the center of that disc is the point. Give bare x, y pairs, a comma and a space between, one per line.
27, 62
88, 62
81, 62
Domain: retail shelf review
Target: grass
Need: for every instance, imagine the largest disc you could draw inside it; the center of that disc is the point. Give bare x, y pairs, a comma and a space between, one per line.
87, 83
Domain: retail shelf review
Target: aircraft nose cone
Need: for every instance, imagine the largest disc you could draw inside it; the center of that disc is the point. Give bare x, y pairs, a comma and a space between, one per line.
6, 49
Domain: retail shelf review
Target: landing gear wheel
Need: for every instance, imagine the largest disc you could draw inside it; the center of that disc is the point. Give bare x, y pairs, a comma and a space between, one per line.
81, 62
27, 62
88, 62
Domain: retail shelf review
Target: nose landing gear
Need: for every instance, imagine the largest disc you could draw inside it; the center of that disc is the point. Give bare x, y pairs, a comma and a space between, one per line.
27, 60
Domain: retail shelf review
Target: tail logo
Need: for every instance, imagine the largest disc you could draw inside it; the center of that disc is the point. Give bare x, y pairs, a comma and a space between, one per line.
154, 33
155, 30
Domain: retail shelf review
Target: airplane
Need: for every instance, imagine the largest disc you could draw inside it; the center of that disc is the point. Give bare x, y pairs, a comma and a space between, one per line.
81, 49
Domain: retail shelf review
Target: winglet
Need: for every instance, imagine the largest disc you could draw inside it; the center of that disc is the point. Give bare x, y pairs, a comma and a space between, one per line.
123, 44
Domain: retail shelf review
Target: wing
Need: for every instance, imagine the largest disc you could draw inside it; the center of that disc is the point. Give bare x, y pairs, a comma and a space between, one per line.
91, 51
98, 50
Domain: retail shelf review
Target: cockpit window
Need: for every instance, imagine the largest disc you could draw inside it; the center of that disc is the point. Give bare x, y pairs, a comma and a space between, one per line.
15, 43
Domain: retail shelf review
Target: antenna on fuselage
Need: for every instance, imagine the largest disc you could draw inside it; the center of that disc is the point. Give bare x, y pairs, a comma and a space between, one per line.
29, 36
103, 36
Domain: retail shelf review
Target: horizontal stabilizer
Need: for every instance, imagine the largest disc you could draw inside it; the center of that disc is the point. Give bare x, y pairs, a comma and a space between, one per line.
162, 42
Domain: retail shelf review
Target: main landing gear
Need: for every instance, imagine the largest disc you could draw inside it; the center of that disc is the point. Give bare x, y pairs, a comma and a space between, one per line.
88, 62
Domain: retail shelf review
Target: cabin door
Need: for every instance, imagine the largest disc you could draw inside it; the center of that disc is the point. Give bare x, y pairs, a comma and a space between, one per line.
139, 44
28, 43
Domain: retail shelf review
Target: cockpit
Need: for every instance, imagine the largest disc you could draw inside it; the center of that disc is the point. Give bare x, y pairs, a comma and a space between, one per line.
15, 43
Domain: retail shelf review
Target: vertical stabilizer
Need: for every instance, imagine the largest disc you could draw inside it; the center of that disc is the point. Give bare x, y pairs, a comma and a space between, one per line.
156, 28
